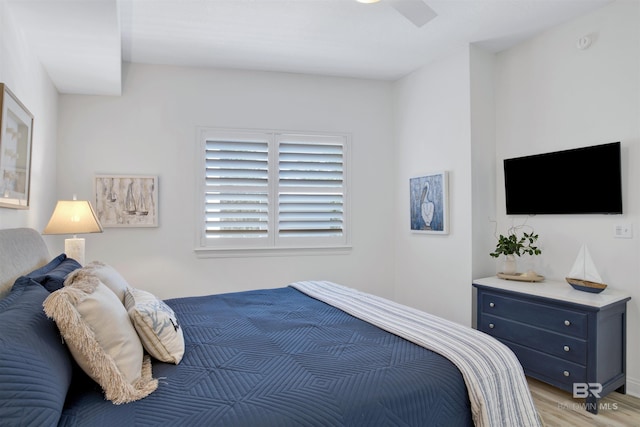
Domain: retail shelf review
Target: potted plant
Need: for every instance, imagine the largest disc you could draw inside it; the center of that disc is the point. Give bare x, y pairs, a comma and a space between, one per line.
511, 245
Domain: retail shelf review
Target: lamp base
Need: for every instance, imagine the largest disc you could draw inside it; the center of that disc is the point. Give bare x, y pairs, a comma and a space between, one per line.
74, 248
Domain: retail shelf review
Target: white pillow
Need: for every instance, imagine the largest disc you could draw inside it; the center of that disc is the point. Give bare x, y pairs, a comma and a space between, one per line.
157, 325
99, 334
110, 277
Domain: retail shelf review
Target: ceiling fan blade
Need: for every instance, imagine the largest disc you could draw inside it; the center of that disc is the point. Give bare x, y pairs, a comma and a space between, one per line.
415, 11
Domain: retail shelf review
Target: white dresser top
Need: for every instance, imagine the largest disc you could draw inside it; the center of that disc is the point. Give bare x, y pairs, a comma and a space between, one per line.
556, 290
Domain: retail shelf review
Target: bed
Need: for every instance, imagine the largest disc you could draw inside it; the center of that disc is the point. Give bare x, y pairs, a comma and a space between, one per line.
306, 354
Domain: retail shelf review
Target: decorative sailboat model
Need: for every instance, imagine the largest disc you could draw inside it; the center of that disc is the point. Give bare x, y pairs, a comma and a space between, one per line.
583, 275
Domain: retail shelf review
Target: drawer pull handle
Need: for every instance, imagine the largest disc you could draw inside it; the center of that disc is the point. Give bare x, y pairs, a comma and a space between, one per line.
567, 323
566, 373
566, 348
491, 305
491, 326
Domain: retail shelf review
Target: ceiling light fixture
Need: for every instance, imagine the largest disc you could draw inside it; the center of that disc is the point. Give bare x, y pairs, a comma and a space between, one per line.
367, 1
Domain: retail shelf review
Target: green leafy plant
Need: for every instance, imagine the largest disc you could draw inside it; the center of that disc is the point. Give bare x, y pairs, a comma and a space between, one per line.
512, 245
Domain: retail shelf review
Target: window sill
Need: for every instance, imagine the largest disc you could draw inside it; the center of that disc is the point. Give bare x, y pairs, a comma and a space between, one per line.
268, 252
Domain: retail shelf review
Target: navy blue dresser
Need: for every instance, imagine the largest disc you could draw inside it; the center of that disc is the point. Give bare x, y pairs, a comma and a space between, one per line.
570, 339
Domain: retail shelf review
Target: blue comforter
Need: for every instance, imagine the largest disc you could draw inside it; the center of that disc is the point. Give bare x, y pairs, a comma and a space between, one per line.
280, 358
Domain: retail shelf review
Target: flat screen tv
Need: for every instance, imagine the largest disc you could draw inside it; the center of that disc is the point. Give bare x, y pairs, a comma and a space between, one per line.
585, 180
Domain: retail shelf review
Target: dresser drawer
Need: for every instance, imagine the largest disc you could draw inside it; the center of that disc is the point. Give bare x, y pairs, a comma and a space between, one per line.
559, 345
559, 372
564, 321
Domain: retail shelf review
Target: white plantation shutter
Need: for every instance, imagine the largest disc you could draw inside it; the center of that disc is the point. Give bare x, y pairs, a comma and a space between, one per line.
273, 190
311, 187
236, 187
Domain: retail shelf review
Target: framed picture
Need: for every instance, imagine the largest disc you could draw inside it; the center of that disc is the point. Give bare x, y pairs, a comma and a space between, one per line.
16, 128
127, 200
429, 198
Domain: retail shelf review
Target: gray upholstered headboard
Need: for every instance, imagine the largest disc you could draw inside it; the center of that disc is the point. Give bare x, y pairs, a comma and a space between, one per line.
21, 251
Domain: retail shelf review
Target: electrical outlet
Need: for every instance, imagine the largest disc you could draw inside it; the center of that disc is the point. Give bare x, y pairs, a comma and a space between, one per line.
623, 231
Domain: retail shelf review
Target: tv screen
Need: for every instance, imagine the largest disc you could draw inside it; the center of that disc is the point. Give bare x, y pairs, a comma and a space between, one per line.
585, 180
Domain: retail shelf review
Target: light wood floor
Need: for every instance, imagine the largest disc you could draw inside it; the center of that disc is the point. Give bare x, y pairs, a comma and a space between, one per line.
559, 409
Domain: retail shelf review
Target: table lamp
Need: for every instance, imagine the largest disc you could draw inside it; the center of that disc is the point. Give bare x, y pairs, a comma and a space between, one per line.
73, 217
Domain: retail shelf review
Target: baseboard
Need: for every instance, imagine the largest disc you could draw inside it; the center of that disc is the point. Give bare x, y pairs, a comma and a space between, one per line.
633, 387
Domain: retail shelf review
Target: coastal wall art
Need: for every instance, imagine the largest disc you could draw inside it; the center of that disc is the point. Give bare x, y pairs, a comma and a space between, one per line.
429, 199
127, 200
16, 128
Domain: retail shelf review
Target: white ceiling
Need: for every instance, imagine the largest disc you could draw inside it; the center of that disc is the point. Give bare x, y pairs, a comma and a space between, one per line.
82, 43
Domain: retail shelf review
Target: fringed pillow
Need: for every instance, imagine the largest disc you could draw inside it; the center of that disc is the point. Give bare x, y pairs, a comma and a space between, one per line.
157, 325
109, 276
99, 334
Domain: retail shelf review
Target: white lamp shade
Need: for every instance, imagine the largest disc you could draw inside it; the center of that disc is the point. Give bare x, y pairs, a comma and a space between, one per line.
73, 217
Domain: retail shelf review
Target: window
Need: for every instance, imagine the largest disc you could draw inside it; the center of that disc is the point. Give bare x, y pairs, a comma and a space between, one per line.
273, 190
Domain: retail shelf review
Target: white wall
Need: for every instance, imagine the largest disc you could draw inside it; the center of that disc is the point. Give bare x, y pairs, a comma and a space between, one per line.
151, 129
25, 77
483, 163
551, 96
433, 131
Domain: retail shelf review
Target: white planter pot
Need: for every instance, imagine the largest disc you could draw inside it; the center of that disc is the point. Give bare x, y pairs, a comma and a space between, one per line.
509, 265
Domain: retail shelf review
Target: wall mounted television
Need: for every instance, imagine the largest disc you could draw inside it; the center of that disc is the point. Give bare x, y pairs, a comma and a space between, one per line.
586, 180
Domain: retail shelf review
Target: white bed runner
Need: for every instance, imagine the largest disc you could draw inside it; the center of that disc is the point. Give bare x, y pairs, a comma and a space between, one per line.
496, 384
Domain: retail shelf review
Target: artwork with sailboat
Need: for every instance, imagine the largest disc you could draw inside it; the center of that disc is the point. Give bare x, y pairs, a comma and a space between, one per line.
127, 201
